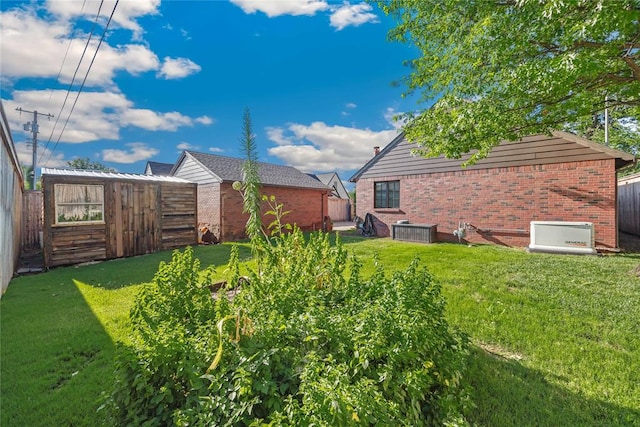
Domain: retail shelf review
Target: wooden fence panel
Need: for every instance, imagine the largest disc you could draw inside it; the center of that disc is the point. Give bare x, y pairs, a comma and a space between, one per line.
33, 219
339, 209
629, 207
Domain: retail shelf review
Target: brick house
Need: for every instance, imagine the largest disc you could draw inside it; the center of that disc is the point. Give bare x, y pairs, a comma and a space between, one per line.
220, 206
539, 178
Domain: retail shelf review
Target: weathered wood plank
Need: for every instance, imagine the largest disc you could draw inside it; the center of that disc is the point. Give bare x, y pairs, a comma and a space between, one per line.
134, 220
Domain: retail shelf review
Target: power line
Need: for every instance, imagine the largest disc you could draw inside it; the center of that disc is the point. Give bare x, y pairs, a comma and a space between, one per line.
106, 27
85, 78
95, 23
67, 51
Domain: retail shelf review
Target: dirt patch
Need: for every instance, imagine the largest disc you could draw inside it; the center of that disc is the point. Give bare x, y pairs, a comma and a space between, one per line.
30, 261
497, 351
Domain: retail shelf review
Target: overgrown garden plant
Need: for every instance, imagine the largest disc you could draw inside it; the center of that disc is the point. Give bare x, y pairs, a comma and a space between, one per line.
306, 341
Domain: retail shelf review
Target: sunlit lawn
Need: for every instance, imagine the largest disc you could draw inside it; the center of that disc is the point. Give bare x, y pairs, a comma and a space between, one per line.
555, 337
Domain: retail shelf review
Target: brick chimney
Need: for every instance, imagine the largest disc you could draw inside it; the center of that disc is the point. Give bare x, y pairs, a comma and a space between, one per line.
376, 151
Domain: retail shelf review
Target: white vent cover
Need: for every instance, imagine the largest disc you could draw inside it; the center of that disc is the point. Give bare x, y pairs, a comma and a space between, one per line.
562, 237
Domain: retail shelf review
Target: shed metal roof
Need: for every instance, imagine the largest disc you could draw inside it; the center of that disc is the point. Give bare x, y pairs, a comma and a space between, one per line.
110, 175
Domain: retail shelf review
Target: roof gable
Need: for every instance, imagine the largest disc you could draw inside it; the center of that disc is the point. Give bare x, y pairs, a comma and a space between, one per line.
333, 181
397, 158
229, 169
158, 168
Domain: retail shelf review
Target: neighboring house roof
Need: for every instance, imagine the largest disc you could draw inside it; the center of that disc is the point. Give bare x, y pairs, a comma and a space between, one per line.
229, 169
83, 173
333, 181
397, 158
157, 168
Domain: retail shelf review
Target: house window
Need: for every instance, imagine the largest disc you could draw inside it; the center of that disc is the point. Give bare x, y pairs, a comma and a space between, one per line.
387, 194
79, 203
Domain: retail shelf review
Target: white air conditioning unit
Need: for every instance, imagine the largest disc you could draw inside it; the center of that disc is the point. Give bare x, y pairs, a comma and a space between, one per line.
562, 237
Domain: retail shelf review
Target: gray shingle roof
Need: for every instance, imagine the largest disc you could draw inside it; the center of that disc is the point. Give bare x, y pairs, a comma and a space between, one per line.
230, 169
158, 168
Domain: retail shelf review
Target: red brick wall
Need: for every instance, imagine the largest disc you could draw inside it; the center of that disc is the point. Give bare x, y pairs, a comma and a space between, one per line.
209, 207
307, 207
502, 202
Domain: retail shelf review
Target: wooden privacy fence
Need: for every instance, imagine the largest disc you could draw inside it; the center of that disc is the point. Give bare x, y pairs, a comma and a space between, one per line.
629, 205
33, 219
339, 209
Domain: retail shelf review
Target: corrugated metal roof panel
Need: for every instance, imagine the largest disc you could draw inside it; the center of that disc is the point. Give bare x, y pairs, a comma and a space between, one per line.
110, 175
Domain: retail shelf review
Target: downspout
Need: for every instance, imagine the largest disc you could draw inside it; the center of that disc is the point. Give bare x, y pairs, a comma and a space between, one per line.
322, 211
221, 214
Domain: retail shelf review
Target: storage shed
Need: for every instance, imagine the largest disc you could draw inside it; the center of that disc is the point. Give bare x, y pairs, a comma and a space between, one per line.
93, 215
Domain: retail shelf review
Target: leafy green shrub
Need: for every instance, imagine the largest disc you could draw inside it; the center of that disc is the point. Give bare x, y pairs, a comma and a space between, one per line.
302, 343
171, 321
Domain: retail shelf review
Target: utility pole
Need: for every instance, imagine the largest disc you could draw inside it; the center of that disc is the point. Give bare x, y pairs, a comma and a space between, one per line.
33, 127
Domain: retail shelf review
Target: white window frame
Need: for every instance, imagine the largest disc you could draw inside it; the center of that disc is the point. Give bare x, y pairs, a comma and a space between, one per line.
89, 206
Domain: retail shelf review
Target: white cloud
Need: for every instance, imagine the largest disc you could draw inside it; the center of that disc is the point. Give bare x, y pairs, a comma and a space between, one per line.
352, 14
204, 120
276, 135
323, 148
350, 105
177, 68
216, 150
186, 146
22, 58
185, 34
97, 115
152, 120
393, 117
45, 157
137, 151
340, 17
93, 118
124, 17
282, 7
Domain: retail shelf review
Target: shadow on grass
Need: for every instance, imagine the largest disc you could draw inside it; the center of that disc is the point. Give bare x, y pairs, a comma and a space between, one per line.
58, 333
55, 358
122, 272
506, 393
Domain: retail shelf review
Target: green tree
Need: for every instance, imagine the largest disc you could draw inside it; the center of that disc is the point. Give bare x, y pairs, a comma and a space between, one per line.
86, 163
503, 69
27, 174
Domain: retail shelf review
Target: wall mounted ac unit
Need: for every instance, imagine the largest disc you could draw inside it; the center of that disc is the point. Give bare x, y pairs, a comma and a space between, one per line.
562, 237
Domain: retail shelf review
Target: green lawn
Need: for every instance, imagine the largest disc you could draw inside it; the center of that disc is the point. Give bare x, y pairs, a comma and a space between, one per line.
556, 338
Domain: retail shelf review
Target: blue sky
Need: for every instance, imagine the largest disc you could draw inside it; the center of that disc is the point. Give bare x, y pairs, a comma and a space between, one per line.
316, 75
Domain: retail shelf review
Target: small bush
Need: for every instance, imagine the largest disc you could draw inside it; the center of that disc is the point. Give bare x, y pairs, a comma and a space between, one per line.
303, 343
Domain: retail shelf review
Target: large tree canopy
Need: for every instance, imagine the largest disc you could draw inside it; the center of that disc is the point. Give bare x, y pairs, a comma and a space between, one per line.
503, 69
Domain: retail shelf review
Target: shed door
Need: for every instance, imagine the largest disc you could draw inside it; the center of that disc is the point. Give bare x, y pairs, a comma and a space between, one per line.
136, 219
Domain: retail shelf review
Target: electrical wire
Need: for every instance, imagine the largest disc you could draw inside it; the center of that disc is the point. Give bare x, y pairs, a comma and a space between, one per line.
95, 24
106, 27
66, 52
